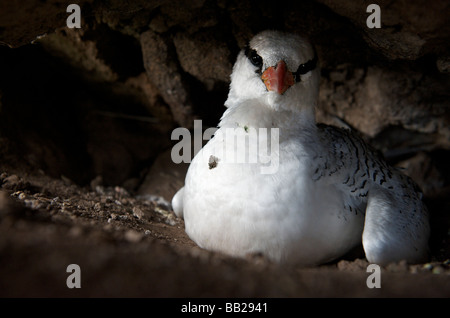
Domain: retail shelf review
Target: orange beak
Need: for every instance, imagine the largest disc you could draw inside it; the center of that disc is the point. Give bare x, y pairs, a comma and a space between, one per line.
279, 78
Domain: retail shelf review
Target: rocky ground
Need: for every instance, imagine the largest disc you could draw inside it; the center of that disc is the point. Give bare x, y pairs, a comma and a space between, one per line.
131, 245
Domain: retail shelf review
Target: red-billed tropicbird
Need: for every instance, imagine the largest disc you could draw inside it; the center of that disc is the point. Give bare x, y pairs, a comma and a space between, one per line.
328, 191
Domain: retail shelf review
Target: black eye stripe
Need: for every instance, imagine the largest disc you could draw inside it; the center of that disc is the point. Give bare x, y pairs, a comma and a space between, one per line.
306, 67
253, 57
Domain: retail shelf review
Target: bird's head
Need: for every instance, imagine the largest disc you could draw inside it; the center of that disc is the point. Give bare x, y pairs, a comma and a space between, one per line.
279, 70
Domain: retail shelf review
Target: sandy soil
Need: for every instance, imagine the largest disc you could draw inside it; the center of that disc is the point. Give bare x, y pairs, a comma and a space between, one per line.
133, 246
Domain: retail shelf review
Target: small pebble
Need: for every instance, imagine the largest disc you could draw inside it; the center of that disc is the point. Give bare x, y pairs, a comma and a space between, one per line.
137, 212
97, 207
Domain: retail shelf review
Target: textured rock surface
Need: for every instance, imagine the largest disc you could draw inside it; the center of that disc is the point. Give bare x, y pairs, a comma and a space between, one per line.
409, 29
96, 106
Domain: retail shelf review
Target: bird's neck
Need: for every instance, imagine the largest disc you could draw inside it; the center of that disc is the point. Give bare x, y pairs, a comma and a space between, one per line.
254, 114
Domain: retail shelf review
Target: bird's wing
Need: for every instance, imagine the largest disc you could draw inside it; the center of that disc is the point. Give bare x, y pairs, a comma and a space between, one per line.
396, 225
346, 159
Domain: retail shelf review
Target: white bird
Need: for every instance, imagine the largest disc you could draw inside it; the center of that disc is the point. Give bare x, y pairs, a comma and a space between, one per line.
329, 191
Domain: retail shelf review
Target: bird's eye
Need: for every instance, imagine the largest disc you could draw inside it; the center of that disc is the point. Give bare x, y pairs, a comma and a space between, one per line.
256, 59
253, 56
305, 68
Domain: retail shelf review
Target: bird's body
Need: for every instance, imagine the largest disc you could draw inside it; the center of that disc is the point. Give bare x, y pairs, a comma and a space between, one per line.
326, 190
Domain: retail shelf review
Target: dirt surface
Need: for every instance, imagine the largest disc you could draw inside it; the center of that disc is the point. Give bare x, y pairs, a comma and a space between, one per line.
133, 246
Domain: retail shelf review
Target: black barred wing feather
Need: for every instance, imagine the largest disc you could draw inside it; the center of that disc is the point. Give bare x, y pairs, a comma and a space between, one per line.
349, 162
396, 219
